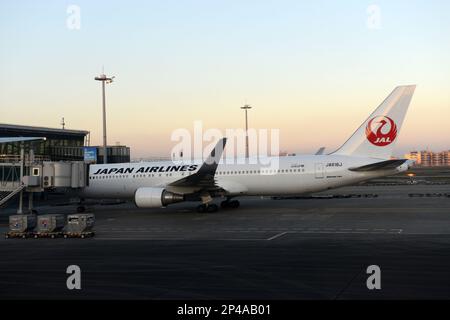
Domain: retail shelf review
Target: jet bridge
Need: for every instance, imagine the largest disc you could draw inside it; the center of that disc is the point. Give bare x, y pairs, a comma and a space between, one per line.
32, 175
71, 174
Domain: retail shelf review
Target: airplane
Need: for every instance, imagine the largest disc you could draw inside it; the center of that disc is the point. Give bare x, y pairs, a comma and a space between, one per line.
367, 154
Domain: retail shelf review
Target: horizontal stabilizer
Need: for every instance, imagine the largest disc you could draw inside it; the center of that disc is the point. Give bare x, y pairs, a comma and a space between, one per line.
383, 165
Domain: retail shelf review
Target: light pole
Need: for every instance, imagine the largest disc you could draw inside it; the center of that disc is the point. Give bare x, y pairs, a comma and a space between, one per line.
246, 107
103, 78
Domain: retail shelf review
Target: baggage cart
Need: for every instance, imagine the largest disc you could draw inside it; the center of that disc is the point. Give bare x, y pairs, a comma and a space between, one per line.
50, 223
22, 222
80, 225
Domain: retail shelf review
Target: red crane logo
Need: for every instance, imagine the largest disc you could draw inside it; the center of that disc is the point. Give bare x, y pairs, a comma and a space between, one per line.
385, 133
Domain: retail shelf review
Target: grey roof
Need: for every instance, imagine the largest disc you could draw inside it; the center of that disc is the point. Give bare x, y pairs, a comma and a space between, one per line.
18, 139
41, 129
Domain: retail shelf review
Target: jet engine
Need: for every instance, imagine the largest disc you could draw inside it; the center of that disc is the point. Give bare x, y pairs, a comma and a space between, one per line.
405, 166
148, 197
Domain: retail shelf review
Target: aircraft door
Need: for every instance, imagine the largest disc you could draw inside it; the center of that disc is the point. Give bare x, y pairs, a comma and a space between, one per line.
319, 170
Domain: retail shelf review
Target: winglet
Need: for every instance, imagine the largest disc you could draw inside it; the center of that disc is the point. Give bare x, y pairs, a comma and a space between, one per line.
216, 153
320, 151
204, 177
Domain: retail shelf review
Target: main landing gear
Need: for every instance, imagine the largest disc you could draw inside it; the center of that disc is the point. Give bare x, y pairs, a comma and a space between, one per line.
227, 204
230, 204
207, 208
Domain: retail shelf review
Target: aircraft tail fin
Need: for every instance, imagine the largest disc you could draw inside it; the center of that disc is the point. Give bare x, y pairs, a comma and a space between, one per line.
377, 135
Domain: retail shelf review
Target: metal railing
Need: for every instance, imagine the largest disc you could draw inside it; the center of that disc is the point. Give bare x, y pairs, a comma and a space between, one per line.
15, 159
5, 196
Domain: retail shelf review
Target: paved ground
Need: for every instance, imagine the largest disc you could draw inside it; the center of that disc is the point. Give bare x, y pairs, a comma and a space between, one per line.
273, 249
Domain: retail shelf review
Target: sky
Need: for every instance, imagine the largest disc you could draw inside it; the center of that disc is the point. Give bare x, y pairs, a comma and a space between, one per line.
312, 69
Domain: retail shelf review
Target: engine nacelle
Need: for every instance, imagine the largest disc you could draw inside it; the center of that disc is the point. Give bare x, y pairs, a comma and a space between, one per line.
155, 197
405, 166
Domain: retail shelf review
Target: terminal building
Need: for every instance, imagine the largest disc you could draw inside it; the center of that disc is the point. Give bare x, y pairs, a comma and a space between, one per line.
59, 145
39, 159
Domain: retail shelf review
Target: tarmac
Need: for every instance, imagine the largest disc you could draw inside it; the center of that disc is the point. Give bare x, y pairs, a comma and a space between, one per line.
318, 248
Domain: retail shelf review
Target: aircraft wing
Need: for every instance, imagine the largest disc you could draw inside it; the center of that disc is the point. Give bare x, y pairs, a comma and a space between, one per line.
383, 165
204, 177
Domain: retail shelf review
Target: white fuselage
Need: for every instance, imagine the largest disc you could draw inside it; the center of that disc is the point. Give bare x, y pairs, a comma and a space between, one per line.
292, 175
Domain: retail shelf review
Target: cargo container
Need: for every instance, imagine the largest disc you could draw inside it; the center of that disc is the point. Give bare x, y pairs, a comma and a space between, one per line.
79, 223
22, 222
50, 223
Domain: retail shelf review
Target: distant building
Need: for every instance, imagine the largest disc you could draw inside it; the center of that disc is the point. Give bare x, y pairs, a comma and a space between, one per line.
430, 158
116, 154
446, 157
285, 154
